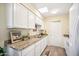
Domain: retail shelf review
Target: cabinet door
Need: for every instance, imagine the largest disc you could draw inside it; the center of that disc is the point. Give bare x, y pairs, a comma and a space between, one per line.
31, 20
9, 10
38, 21
46, 40
20, 16
42, 45
13, 52
29, 51
42, 25
37, 49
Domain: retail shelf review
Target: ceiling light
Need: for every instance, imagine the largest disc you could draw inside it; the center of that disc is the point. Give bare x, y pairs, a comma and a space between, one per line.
54, 11
43, 10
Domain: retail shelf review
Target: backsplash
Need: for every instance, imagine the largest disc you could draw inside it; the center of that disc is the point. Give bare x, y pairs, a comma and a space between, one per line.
23, 31
26, 31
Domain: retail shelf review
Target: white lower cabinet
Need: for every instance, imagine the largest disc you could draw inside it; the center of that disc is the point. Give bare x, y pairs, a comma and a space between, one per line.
37, 48
40, 46
32, 50
29, 51
13, 52
43, 44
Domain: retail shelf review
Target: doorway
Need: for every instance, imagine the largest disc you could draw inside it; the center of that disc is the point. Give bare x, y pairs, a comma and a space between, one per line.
55, 33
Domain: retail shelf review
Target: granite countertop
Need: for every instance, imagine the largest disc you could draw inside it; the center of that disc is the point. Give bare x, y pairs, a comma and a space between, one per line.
23, 44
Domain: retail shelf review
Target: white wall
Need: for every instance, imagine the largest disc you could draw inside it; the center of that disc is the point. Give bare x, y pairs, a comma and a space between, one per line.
3, 25
64, 20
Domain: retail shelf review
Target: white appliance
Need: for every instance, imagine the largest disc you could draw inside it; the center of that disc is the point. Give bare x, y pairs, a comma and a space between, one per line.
72, 45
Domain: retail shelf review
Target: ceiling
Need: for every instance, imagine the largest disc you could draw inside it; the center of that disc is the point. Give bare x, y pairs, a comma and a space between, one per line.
62, 8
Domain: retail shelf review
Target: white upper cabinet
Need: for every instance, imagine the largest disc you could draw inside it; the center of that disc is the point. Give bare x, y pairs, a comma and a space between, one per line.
38, 21
20, 16
9, 10
42, 25
31, 20
17, 16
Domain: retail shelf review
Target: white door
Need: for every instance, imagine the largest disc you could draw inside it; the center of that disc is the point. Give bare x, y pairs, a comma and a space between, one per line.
55, 33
